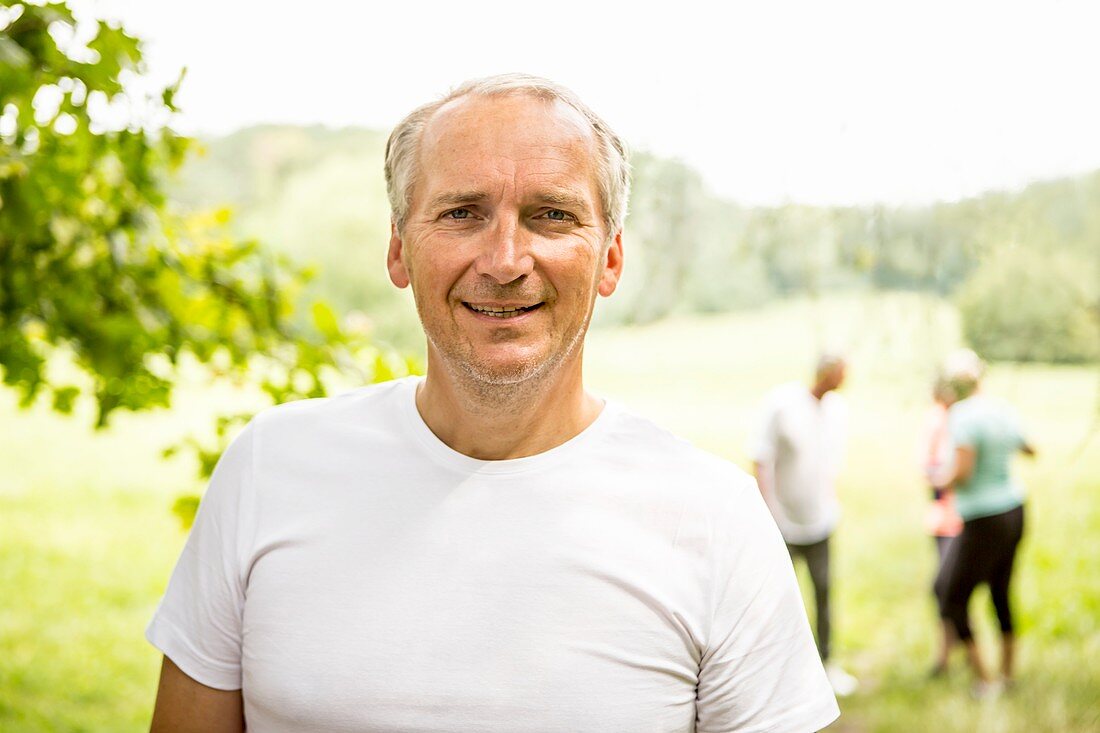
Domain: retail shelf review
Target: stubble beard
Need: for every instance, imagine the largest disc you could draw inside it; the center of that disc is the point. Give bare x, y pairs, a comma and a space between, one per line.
492, 384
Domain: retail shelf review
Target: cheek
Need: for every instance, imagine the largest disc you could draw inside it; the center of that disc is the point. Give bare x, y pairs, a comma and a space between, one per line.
434, 266
574, 266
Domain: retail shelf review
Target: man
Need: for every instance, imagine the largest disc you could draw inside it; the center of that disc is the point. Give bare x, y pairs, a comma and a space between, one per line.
796, 457
490, 548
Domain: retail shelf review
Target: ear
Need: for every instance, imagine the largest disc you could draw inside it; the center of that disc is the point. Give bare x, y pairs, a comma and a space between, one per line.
399, 274
612, 266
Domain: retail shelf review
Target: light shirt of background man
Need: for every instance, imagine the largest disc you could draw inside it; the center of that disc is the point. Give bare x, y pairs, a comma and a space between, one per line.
801, 439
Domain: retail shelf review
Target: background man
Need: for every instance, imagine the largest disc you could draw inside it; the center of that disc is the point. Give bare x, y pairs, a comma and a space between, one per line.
491, 547
796, 458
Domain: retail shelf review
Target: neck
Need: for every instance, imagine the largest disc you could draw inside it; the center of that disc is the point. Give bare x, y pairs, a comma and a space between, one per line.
496, 422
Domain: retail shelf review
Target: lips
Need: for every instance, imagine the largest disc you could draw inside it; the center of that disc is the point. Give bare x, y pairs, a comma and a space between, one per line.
501, 311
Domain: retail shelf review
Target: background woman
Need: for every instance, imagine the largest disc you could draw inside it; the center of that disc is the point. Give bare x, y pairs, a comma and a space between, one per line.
938, 464
990, 501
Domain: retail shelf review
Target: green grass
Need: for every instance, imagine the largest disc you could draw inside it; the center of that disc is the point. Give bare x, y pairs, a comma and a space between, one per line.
87, 538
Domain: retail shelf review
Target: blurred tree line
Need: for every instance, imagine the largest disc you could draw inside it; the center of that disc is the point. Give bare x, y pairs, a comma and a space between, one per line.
1023, 267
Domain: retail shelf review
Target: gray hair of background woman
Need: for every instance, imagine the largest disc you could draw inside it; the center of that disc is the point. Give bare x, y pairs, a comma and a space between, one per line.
403, 147
963, 371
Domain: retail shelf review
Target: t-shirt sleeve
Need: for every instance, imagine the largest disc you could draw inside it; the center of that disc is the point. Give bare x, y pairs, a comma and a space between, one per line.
963, 428
762, 445
839, 435
760, 670
198, 622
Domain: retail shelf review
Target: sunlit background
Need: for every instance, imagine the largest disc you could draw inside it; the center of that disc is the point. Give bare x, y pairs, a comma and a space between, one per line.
819, 103
889, 180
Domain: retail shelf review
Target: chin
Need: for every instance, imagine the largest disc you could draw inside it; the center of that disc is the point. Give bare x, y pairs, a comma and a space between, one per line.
506, 365
503, 373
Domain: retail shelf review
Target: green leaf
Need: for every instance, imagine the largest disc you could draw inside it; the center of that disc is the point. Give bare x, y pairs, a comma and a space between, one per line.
64, 397
382, 370
325, 320
185, 508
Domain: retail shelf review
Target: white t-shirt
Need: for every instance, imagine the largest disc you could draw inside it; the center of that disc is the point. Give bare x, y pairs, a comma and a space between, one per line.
801, 440
350, 572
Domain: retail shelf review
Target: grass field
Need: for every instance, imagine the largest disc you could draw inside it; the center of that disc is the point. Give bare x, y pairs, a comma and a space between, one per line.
87, 538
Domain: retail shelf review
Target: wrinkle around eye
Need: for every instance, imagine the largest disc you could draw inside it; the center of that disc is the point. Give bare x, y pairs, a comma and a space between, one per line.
568, 218
449, 215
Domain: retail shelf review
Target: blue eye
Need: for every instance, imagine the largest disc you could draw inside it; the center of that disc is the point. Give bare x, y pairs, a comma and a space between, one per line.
458, 214
556, 215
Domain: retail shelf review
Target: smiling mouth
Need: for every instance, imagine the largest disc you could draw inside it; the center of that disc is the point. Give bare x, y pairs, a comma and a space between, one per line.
502, 311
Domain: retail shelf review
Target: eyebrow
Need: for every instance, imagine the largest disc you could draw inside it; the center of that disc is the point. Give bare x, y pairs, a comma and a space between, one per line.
456, 198
563, 197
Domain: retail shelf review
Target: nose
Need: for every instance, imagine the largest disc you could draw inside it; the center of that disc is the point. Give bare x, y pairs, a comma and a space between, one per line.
505, 256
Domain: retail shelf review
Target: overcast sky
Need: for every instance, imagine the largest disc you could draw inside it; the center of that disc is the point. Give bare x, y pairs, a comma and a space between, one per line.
819, 102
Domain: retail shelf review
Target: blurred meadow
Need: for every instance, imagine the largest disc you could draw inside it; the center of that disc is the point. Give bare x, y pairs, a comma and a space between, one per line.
152, 285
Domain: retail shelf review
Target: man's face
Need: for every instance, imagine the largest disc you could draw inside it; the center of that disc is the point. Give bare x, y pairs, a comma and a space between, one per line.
504, 243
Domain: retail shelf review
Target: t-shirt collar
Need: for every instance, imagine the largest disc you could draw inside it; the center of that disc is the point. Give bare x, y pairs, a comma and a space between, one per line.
448, 457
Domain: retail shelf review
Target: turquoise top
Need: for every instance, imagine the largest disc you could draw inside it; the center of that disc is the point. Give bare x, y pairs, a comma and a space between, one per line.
989, 427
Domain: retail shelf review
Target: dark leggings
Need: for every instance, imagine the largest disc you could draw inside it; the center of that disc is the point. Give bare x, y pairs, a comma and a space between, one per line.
983, 553
943, 544
817, 562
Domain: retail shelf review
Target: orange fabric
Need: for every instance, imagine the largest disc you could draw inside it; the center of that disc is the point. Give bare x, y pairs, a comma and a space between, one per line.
942, 520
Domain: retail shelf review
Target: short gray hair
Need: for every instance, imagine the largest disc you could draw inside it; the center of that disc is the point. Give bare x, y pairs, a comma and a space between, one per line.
403, 147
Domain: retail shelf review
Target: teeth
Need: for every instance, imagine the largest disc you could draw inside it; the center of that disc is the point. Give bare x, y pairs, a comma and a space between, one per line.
499, 311
493, 309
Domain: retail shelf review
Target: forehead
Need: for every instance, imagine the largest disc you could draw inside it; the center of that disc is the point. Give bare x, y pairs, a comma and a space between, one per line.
486, 140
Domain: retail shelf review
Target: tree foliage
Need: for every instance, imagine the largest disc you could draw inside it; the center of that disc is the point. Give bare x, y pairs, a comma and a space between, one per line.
1025, 307
95, 263
317, 195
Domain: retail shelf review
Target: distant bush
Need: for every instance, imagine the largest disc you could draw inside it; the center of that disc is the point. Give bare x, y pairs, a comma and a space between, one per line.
1023, 306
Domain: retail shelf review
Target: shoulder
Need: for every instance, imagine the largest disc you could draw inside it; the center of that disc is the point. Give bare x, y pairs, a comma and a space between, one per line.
786, 392
659, 457
358, 409
835, 402
975, 408
966, 416
993, 414
720, 514
783, 397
